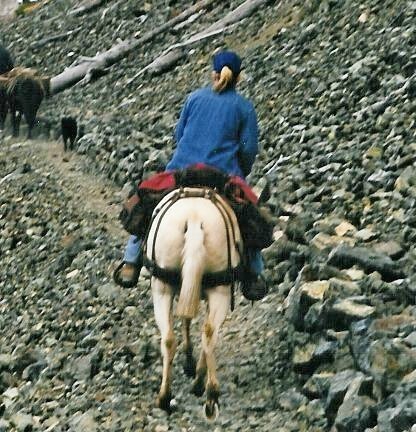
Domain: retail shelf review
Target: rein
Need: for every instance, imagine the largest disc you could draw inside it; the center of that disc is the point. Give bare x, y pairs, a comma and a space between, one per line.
209, 280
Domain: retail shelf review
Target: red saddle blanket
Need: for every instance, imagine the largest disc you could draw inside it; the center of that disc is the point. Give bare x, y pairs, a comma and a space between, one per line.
241, 191
256, 224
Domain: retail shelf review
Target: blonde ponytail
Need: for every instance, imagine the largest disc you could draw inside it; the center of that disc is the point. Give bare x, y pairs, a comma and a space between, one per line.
224, 80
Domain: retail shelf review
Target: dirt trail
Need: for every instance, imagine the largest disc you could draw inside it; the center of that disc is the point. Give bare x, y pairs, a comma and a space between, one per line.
96, 193
119, 321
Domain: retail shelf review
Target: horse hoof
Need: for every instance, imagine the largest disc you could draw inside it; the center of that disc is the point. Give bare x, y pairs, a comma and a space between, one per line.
166, 403
198, 388
211, 411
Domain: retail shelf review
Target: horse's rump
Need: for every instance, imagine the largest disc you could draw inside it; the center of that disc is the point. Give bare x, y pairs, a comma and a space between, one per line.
196, 236
27, 81
26, 91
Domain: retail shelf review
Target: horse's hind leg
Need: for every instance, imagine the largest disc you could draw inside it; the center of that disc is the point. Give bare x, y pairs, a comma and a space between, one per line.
3, 111
30, 117
218, 305
198, 386
16, 117
189, 364
162, 303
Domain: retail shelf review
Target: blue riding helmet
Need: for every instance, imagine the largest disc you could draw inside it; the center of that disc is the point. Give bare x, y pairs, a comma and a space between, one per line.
227, 58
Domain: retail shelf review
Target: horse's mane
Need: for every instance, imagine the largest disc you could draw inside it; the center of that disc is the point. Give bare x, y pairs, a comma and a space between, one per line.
20, 73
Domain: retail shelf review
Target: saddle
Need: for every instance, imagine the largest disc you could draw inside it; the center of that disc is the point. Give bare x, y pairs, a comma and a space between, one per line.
255, 222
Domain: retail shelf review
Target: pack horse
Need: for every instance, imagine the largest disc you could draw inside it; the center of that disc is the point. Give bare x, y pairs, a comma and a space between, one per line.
193, 250
21, 92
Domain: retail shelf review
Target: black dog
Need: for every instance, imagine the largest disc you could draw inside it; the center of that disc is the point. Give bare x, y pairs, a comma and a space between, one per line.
69, 130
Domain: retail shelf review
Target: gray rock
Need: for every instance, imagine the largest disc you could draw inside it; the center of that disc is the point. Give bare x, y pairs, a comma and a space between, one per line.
33, 371
398, 419
22, 422
108, 291
342, 382
411, 339
318, 385
387, 361
316, 318
4, 425
84, 423
355, 414
6, 361
390, 248
85, 367
292, 400
307, 358
344, 257
344, 312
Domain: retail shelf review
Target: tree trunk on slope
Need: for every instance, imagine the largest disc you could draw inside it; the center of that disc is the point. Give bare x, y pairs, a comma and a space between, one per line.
74, 74
176, 52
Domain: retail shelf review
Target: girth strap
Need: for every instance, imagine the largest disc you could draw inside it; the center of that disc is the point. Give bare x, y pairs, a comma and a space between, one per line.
209, 280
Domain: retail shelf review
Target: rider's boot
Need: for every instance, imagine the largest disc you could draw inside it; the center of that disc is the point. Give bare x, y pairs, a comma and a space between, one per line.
254, 286
127, 274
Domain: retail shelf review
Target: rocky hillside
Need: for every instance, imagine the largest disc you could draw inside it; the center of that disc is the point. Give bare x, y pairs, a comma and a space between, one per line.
6, 8
333, 347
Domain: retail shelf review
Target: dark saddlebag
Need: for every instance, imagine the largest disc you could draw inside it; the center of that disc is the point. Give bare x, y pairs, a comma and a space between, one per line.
137, 211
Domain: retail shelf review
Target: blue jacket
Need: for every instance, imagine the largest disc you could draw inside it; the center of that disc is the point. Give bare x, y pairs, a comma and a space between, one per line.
217, 129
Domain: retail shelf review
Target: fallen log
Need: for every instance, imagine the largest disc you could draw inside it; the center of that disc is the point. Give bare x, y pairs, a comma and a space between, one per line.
243, 11
169, 57
167, 60
92, 75
113, 6
87, 7
165, 63
74, 74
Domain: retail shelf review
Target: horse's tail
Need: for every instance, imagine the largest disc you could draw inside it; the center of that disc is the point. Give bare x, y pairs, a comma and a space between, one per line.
193, 257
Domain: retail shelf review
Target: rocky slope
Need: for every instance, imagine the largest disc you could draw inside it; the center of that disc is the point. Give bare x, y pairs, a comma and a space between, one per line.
6, 9
333, 346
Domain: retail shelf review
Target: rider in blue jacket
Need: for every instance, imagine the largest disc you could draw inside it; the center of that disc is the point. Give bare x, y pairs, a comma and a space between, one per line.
217, 127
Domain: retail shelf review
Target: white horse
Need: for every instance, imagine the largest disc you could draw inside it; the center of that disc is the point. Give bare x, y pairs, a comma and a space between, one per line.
193, 249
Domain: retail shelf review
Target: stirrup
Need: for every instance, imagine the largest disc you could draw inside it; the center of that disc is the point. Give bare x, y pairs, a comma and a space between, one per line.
121, 282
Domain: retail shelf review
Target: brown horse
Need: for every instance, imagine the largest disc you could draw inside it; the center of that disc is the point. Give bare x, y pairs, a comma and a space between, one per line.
25, 92
194, 250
